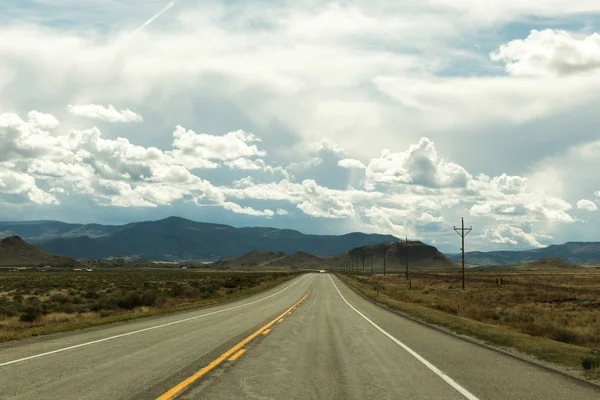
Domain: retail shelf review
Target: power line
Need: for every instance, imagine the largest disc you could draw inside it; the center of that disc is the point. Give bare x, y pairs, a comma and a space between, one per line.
462, 232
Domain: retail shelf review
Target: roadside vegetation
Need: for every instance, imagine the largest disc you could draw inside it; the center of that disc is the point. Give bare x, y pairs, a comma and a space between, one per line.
554, 316
35, 302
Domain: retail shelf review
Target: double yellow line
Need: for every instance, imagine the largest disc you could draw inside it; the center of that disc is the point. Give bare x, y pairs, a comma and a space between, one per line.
175, 390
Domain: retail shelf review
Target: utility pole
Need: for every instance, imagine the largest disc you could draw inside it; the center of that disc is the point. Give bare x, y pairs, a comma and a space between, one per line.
462, 232
406, 255
383, 250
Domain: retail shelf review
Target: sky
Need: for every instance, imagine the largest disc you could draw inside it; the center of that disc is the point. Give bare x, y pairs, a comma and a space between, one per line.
395, 117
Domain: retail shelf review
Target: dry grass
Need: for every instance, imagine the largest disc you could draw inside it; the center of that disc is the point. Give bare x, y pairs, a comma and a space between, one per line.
553, 316
37, 303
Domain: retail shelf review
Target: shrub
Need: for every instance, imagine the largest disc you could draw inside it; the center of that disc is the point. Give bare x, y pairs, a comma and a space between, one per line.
59, 298
66, 308
90, 294
134, 299
31, 313
590, 363
565, 336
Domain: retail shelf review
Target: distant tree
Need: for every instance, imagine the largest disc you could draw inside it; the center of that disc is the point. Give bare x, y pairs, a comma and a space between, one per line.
383, 250
358, 254
362, 256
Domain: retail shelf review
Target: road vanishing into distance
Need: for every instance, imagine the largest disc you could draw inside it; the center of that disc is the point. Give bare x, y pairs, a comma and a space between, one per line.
311, 338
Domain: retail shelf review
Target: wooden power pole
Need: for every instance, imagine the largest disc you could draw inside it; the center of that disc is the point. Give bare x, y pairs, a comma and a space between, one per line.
462, 232
406, 256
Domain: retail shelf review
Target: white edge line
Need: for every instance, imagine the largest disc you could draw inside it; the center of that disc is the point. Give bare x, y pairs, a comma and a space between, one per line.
413, 353
145, 329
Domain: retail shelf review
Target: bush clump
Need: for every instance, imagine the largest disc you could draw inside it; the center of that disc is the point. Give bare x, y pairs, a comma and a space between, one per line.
31, 313
565, 336
134, 300
590, 363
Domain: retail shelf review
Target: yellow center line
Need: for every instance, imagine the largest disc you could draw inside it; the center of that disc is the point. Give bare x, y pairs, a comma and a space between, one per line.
266, 331
280, 321
237, 355
175, 390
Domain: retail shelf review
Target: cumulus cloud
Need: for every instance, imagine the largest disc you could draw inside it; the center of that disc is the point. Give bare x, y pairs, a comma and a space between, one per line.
112, 172
42, 121
408, 202
231, 146
20, 184
586, 205
550, 53
419, 165
511, 235
351, 163
236, 208
110, 113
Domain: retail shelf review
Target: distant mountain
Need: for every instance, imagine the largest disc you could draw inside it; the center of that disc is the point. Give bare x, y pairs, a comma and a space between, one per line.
39, 231
15, 252
174, 239
573, 252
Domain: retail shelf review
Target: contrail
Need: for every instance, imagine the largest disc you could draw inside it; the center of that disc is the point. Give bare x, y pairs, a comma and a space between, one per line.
154, 17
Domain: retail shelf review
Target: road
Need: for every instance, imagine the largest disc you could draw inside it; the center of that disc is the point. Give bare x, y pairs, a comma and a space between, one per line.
312, 338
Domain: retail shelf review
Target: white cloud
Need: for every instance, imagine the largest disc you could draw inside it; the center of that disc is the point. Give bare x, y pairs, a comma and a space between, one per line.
236, 208
231, 146
351, 163
586, 205
15, 183
281, 211
419, 165
512, 235
42, 121
110, 113
550, 53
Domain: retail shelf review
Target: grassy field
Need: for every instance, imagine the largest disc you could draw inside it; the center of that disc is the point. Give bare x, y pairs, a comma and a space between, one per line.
554, 316
40, 302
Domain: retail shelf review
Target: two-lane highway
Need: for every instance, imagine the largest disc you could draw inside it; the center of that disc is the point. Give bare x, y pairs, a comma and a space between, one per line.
341, 346
139, 359
281, 344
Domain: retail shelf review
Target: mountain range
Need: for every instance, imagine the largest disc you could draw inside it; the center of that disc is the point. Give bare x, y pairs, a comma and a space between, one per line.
176, 239
573, 252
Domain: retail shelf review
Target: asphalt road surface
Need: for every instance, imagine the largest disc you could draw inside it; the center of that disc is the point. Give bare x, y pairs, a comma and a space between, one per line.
312, 338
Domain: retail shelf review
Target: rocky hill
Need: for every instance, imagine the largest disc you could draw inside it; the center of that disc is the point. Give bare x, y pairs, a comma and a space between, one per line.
15, 252
421, 257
